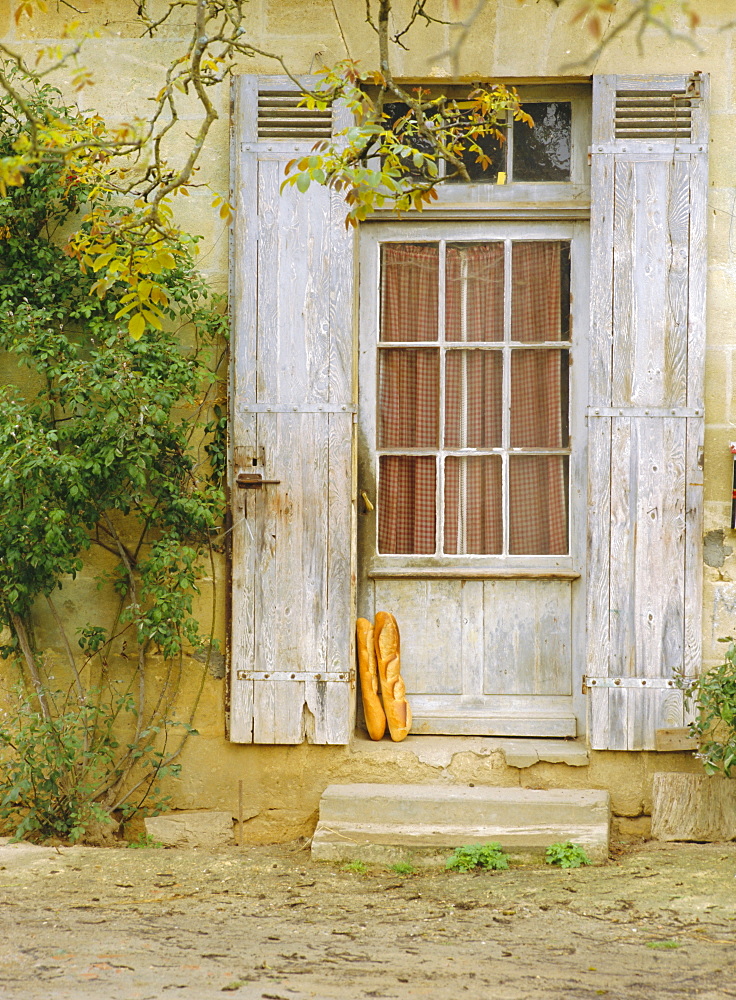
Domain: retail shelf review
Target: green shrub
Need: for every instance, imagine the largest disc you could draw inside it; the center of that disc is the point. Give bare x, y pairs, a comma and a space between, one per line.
566, 855
55, 770
713, 694
490, 856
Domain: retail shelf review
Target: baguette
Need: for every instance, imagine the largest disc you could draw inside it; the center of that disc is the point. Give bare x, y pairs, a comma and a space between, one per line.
393, 690
375, 717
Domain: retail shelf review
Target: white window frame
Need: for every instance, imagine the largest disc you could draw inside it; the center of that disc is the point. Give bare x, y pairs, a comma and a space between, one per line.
372, 238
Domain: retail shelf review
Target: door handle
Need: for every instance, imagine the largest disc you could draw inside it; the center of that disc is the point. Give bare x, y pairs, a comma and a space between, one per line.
366, 501
253, 481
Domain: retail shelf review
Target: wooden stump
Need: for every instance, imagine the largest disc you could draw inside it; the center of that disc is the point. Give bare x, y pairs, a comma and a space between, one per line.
693, 807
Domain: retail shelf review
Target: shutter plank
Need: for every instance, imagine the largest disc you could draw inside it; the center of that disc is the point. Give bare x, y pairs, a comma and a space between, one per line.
620, 597
601, 283
625, 317
293, 290
292, 563
242, 432
693, 547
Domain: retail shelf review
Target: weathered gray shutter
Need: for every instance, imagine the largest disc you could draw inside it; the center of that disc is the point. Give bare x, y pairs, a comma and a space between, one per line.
645, 418
292, 673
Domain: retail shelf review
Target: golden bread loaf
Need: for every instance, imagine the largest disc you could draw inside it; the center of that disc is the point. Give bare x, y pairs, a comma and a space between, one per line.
393, 690
375, 717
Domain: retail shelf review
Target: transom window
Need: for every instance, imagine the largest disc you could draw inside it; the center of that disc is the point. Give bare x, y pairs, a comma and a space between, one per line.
526, 154
472, 423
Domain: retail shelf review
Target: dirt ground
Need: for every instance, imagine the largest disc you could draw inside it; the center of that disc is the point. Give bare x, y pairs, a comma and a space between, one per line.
268, 923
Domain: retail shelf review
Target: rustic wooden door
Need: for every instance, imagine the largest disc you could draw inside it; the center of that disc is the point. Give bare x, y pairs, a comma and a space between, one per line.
472, 380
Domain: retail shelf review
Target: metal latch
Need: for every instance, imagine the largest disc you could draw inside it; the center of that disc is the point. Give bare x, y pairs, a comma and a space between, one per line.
253, 481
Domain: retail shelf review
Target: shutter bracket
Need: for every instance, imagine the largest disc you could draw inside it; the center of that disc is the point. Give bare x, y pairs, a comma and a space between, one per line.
693, 85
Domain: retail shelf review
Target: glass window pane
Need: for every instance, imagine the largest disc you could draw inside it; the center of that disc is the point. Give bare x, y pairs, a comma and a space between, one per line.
539, 398
481, 171
473, 399
408, 398
474, 291
409, 291
540, 291
542, 153
406, 504
404, 128
473, 518
538, 504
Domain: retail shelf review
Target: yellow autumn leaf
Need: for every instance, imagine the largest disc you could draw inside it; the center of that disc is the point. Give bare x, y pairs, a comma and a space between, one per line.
136, 326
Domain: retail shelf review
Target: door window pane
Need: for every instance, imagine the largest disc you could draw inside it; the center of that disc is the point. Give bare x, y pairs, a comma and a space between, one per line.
408, 398
540, 291
473, 399
406, 504
473, 505
538, 504
409, 291
539, 398
474, 292
542, 153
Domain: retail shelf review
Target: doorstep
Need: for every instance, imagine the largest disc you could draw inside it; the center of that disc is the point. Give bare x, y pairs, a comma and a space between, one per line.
438, 751
423, 823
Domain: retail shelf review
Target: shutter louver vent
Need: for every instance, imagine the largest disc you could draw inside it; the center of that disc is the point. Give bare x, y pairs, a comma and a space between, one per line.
653, 114
280, 117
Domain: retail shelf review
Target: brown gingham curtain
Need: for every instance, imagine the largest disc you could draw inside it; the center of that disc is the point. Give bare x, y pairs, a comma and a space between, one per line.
408, 400
537, 483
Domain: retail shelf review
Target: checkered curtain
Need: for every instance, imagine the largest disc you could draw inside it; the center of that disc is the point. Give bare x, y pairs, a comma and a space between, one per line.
537, 483
408, 398
473, 397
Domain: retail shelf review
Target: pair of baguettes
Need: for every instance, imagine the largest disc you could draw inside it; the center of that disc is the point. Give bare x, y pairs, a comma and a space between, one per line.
379, 661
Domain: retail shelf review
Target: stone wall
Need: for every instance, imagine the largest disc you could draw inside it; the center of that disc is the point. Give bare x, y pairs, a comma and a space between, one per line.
510, 42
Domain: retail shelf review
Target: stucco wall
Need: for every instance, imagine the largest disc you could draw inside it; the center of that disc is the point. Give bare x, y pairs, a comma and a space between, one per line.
510, 42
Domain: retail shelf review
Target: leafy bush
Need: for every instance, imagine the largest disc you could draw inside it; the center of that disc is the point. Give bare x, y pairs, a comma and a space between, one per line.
55, 769
713, 693
464, 859
105, 436
566, 855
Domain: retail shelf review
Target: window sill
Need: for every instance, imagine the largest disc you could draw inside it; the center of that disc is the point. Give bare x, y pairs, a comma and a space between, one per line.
464, 573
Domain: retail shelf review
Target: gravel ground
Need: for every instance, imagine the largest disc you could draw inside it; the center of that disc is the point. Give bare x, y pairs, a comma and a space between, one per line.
267, 923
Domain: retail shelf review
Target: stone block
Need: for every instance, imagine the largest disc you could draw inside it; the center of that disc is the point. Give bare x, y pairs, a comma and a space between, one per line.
369, 821
693, 807
204, 828
638, 826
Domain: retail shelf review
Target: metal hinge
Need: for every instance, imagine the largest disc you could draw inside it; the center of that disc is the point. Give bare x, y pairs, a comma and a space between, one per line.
296, 675
628, 682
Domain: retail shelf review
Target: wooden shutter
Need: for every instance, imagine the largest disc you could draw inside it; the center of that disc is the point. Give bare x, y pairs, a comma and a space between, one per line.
292, 415
645, 419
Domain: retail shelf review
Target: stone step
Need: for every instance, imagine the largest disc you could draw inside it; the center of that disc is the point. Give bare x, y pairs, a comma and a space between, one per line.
386, 823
